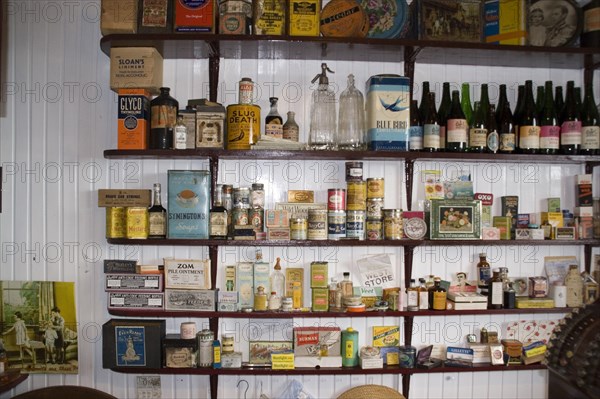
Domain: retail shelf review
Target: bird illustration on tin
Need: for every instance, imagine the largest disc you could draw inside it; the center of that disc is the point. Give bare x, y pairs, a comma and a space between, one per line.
393, 106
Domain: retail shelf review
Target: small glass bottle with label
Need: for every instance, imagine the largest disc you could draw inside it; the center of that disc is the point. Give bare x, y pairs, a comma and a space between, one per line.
483, 273
412, 297
157, 216
274, 121
218, 217
423, 295
574, 283
291, 130
496, 293
346, 286
180, 134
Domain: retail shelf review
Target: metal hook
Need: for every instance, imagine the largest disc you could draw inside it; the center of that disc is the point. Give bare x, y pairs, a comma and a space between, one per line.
247, 386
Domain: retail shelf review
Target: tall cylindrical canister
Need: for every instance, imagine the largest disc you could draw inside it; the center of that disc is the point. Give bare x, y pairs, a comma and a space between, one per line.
116, 222
349, 347
392, 224
336, 199
205, 340
336, 225
356, 199
317, 224
243, 122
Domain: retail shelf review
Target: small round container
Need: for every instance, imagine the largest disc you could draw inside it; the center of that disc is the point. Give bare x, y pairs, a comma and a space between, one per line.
336, 225
355, 224
257, 195
374, 229
241, 197
260, 299
392, 224
356, 199
336, 199
298, 229
246, 91
187, 330
227, 341
354, 171
375, 208
317, 224
407, 356
287, 304
375, 187
241, 217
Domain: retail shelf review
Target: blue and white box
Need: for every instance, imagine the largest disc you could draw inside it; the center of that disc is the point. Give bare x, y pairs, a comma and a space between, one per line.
388, 112
188, 203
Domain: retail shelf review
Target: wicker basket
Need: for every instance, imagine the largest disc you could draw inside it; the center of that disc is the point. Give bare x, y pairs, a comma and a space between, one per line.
371, 392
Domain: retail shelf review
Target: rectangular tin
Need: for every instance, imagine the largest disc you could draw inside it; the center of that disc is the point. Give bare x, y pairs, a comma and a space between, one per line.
388, 113
133, 126
189, 203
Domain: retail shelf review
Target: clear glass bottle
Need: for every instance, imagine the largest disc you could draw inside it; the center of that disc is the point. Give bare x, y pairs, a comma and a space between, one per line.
163, 112
291, 130
219, 220
346, 286
157, 216
496, 294
351, 121
333, 289
278, 280
180, 134
323, 130
423, 295
274, 121
412, 296
437, 295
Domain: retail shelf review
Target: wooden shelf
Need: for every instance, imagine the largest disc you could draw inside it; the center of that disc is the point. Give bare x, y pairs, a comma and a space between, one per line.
206, 153
203, 45
325, 370
348, 243
10, 379
303, 315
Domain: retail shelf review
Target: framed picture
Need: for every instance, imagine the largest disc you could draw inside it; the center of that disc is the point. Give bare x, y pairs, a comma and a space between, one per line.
260, 351
132, 343
553, 23
455, 219
451, 20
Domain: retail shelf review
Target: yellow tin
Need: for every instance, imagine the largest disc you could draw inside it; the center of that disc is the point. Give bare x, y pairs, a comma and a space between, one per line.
137, 222
116, 224
243, 126
356, 196
303, 17
392, 224
375, 187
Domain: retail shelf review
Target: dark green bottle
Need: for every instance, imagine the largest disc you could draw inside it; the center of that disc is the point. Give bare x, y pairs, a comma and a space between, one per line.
443, 112
493, 136
570, 119
465, 102
478, 130
539, 99
559, 102
431, 127
163, 112
415, 131
590, 119
506, 129
549, 127
424, 94
502, 98
529, 128
484, 100
456, 127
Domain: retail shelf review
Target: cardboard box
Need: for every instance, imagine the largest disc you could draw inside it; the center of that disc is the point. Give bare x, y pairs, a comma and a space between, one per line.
136, 67
262, 271
554, 219
190, 300
297, 209
120, 336
276, 218
195, 16
245, 283
118, 16
134, 300
133, 282
294, 275
230, 281
210, 123
125, 198
308, 341
133, 126
584, 211
303, 17
316, 362
189, 203
388, 113
119, 266
155, 16
320, 299
584, 195
301, 196
505, 21
319, 274
503, 223
510, 208
190, 274
386, 336
554, 204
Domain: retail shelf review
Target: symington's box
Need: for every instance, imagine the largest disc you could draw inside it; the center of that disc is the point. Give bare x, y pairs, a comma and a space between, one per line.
388, 114
308, 340
134, 119
195, 16
189, 203
505, 21
136, 67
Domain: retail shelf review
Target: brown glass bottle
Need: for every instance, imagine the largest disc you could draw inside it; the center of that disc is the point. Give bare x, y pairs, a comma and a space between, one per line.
273, 121
483, 272
219, 221
157, 216
163, 113
496, 291
506, 129
590, 36
437, 295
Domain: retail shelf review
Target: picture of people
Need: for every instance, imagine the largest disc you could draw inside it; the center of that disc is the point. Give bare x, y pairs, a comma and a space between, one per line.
451, 20
38, 324
553, 23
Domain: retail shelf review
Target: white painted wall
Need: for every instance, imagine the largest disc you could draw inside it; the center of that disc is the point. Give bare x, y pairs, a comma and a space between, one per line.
58, 116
